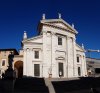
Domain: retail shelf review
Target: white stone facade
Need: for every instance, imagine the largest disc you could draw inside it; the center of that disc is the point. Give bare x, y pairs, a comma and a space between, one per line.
57, 54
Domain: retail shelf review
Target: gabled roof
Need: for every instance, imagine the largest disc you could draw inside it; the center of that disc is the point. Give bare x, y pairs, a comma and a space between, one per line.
54, 22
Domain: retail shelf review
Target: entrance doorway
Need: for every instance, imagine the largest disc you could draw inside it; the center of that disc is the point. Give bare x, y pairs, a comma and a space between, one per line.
36, 69
60, 69
18, 66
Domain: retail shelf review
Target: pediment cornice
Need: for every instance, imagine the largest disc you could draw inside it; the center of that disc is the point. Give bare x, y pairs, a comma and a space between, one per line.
80, 48
33, 38
53, 23
33, 43
61, 28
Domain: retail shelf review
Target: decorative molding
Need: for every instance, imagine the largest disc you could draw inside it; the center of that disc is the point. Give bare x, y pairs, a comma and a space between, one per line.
37, 60
68, 38
60, 58
36, 49
62, 35
59, 27
29, 39
53, 33
44, 32
60, 51
33, 43
58, 21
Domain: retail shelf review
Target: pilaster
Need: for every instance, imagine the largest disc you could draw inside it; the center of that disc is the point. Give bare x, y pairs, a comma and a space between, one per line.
70, 59
53, 61
67, 58
46, 54
74, 58
25, 62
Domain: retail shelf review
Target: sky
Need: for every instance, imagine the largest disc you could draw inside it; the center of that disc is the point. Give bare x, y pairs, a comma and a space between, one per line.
17, 16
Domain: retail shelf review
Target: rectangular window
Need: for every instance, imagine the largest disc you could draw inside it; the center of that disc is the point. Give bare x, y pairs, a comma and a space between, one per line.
59, 41
36, 69
3, 62
79, 71
77, 59
37, 54
60, 69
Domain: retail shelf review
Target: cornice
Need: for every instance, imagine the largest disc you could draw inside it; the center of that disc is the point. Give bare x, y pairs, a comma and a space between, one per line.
59, 27
33, 43
80, 50
18, 56
69, 28
80, 47
29, 39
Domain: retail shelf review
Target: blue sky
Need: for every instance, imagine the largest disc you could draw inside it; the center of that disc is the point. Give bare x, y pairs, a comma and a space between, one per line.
17, 16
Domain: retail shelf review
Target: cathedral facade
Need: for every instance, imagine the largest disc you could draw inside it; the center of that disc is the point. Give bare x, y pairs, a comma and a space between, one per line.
54, 52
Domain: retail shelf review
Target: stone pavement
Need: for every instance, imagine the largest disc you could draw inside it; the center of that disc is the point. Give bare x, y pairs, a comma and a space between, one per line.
81, 85
51, 85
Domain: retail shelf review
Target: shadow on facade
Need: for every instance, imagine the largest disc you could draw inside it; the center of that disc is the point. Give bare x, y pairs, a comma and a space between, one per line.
18, 67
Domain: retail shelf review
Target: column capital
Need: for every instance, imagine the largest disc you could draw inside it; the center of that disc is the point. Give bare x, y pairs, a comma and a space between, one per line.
24, 49
68, 37
53, 33
44, 32
74, 39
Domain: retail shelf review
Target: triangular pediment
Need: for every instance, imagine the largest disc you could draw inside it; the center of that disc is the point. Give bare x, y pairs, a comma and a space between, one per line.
60, 23
37, 39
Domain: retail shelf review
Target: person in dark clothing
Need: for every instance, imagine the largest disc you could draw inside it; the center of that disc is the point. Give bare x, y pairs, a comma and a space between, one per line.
3, 75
